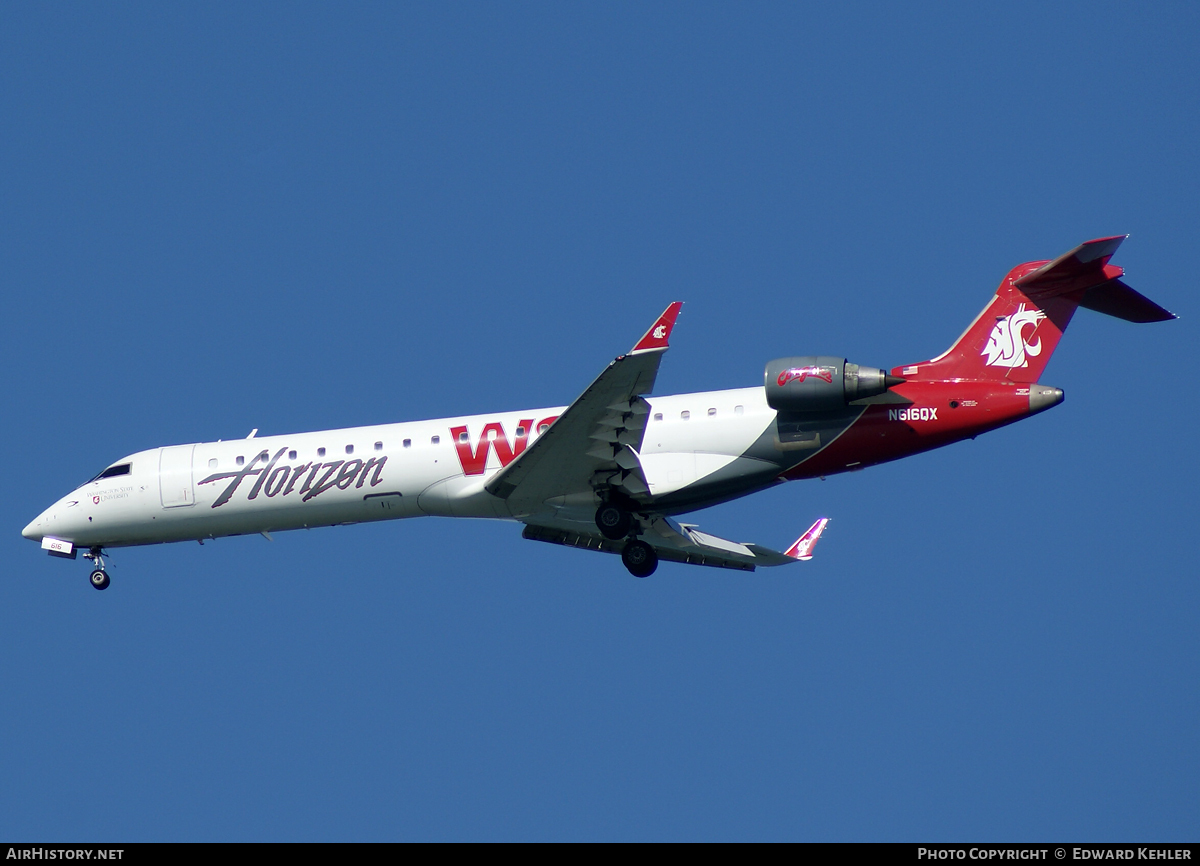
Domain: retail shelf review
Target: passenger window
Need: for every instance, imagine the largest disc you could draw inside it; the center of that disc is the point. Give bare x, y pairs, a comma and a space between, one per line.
542, 428
408, 443
291, 455
378, 446
712, 411
240, 460
462, 437
320, 452
520, 431
658, 416
435, 440
739, 410
349, 449
212, 462
685, 414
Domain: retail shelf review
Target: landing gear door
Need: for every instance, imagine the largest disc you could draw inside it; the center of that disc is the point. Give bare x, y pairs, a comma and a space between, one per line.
175, 476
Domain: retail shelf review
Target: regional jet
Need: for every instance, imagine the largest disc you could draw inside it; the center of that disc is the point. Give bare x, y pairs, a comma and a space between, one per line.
612, 471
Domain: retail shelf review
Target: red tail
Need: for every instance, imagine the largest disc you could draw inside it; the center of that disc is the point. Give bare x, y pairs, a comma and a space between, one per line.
1015, 335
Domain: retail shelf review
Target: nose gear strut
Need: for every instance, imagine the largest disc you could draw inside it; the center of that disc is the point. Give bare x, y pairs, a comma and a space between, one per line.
99, 577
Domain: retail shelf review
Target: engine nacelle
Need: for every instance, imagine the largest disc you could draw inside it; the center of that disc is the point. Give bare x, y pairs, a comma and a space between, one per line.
820, 383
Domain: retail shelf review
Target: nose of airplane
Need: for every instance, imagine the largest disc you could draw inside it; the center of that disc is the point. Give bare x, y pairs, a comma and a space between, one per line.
39, 526
33, 530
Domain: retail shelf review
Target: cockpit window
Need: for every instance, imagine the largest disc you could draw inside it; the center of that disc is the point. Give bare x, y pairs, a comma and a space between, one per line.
114, 471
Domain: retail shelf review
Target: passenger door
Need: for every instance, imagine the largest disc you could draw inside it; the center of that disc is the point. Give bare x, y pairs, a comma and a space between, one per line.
175, 476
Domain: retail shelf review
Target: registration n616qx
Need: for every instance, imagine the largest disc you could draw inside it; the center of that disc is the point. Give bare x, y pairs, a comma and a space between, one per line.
611, 471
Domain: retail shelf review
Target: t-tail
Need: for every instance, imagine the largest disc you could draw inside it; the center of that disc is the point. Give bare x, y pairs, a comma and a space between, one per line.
1017, 332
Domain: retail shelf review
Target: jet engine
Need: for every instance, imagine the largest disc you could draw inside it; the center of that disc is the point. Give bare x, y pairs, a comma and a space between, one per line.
820, 383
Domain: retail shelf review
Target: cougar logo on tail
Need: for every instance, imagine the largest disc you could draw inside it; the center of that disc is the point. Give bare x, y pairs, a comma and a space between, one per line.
1006, 346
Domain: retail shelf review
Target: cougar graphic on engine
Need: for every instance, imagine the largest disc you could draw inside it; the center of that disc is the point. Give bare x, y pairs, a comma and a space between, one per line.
799, 374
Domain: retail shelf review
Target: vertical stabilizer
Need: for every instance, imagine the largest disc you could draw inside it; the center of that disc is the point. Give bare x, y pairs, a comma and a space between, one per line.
1015, 335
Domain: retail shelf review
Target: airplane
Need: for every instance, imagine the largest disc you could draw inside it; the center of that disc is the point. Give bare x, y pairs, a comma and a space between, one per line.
612, 471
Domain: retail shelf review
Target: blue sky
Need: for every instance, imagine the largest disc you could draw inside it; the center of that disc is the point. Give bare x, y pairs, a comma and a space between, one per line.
294, 217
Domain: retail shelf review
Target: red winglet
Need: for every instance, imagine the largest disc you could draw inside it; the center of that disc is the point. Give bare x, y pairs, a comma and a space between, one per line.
802, 549
660, 331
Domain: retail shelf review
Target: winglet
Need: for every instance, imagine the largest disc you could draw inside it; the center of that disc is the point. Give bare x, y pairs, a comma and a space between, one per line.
802, 549
660, 331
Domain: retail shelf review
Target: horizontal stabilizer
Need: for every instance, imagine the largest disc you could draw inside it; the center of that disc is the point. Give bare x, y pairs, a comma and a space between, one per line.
1081, 268
1114, 298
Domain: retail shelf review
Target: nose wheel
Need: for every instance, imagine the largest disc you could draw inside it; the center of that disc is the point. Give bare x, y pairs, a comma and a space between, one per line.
99, 577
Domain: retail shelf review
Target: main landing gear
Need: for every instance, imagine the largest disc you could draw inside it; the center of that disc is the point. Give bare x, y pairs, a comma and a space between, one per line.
639, 558
613, 521
99, 577
616, 523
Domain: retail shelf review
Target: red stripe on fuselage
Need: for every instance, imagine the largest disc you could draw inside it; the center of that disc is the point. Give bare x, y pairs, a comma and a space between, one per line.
938, 413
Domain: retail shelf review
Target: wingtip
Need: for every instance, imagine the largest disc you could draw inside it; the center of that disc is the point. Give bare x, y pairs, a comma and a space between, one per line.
659, 334
803, 548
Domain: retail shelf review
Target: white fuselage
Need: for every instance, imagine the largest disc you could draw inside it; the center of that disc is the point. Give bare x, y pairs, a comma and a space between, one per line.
385, 472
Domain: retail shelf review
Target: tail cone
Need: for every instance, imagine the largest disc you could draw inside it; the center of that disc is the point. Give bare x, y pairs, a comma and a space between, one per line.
1042, 397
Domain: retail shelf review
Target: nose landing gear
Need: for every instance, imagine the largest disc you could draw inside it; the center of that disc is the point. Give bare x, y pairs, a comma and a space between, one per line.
99, 577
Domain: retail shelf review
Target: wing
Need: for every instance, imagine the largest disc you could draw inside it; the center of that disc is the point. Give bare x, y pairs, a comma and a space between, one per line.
589, 444
676, 542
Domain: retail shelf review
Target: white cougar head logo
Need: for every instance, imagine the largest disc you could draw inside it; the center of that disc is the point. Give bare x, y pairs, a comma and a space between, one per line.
1006, 347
